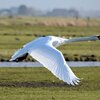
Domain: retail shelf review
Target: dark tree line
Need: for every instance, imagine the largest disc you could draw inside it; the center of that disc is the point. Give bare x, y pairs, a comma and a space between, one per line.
23, 10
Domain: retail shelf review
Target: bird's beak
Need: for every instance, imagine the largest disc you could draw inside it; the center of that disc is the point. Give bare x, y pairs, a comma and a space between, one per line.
98, 37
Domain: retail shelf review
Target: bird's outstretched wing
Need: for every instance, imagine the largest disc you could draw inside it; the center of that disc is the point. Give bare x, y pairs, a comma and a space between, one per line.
54, 61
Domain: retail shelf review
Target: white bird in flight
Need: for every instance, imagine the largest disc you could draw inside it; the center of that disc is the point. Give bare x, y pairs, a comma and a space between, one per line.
43, 50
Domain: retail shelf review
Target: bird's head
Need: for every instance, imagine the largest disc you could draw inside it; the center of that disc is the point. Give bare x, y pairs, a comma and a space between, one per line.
98, 36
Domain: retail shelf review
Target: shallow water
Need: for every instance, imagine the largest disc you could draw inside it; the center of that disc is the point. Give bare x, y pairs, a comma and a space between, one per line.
36, 64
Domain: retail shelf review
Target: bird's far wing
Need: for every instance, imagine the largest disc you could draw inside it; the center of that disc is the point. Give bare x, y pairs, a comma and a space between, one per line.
19, 53
54, 61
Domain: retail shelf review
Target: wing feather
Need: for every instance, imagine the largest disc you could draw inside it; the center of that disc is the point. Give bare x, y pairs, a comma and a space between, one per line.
54, 61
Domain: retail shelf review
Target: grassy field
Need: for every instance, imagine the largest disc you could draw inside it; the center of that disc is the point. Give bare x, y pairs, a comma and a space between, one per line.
39, 83
16, 31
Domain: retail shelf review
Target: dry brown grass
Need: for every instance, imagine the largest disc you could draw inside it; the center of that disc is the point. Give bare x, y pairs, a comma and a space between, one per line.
49, 21
67, 22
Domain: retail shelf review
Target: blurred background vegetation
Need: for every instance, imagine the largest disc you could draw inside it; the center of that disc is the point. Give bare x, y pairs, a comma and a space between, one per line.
16, 31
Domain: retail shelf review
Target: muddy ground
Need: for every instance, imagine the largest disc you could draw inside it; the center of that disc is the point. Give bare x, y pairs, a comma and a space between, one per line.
33, 84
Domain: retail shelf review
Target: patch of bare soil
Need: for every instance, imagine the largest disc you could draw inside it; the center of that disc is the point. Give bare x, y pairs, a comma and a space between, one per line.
33, 84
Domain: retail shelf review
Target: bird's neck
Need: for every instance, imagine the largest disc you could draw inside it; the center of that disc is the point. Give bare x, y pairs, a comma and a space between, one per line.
92, 38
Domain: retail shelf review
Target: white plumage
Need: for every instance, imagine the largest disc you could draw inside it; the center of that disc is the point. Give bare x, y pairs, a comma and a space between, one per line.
43, 50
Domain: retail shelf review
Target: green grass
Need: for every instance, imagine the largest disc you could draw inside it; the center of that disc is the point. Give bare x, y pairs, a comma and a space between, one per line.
89, 87
14, 32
